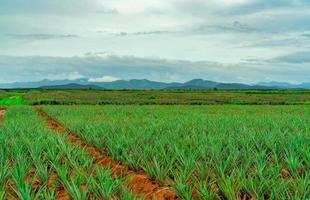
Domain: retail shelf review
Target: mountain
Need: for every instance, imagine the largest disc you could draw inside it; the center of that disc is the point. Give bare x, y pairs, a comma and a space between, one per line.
277, 84
305, 85
44, 82
200, 83
135, 84
71, 86
140, 84
204, 84
286, 85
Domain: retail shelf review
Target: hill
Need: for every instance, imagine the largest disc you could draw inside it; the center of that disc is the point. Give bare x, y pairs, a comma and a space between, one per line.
71, 86
144, 84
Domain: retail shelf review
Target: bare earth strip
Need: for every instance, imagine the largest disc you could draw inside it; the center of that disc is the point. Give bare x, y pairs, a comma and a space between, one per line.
62, 194
140, 183
10, 185
2, 114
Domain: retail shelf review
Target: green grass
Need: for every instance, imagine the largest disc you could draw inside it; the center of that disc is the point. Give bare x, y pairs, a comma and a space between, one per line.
4, 94
34, 149
148, 97
155, 97
222, 150
218, 151
12, 100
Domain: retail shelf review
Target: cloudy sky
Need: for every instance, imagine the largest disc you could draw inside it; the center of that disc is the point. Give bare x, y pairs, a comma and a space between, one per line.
244, 41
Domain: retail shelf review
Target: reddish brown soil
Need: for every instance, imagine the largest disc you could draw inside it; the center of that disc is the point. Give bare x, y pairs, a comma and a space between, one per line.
62, 194
9, 186
285, 174
2, 114
140, 183
31, 180
36, 185
244, 197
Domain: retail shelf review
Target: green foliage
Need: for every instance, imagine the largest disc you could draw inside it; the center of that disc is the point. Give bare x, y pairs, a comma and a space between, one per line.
148, 97
223, 152
31, 153
152, 97
12, 100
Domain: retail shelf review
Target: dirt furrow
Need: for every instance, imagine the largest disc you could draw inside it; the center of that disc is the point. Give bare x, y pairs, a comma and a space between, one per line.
139, 181
2, 114
62, 194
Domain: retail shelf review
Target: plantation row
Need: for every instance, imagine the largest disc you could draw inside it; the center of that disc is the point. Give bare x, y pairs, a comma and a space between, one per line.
205, 152
149, 97
36, 163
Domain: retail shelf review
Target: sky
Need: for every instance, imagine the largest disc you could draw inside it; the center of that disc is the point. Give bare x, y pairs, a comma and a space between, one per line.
245, 41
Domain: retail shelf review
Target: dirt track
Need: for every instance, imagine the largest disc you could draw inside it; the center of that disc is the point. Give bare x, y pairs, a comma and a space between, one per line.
140, 183
2, 114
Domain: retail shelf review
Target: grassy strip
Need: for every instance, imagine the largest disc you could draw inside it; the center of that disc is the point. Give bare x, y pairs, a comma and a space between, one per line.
6, 93
12, 100
31, 154
216, 151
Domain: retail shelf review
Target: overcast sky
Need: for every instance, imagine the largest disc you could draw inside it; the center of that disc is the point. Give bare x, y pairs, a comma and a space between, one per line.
244, 41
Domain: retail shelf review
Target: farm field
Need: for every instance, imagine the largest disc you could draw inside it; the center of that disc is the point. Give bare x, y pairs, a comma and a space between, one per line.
203, 152
152, 97
154, 100
36, 163
153, 151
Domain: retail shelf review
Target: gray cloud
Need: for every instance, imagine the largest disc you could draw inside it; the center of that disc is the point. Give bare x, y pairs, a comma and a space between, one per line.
129, 67
203, 8
307, 35
138, 33
240, 40
296, 42
152, 32
295, 58
235, 26
107, 11
262, 5
41, 36
257, 16
99, 53
49, 7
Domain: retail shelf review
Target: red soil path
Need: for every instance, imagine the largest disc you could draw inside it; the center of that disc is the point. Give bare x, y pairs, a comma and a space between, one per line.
140, 183
61, 193
2, 114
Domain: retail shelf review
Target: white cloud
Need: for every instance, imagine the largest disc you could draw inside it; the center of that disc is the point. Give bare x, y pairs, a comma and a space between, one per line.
104, 79
63, 76
225, 32
136, 6
110, 68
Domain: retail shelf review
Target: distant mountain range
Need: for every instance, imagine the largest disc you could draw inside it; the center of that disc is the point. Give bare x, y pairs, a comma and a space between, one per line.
71, 86
140, 84
285, 85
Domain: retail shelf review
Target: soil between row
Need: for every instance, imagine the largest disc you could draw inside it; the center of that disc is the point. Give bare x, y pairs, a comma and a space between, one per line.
139, 181
2, 115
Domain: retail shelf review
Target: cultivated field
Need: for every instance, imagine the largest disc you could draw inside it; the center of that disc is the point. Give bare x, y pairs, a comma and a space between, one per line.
206, 151
154, 151
35, 163
169, 97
